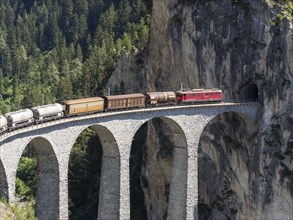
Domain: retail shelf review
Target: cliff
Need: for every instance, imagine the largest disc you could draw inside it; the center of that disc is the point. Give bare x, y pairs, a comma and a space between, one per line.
244, 48
130, 74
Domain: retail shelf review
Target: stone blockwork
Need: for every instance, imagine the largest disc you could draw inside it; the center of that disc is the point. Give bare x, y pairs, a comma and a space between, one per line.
53, 142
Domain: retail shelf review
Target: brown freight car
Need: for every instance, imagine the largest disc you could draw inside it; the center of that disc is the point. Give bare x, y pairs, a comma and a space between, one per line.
124, 101
82, 106
160, 98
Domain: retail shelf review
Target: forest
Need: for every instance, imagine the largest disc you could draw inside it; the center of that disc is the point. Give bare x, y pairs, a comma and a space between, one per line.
51, 51
64, 49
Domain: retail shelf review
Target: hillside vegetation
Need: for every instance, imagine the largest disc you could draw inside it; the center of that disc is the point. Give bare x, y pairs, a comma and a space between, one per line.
64, 49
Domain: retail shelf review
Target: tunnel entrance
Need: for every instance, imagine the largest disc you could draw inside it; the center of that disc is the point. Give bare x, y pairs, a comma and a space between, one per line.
250, 92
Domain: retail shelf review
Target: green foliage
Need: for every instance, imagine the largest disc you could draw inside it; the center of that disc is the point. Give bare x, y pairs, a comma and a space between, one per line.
25, 211
285, 10
84, 176
64, 49
21, 188
26, 177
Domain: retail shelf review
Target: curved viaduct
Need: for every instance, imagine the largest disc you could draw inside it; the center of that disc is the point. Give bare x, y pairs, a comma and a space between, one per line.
116, 130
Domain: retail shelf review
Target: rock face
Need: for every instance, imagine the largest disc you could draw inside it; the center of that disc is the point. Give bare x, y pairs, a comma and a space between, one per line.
242, 48
130, 74
156, 171
226, 44
229, 175
234, 46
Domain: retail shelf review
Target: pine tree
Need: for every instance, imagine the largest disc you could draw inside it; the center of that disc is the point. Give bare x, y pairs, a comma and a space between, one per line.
124, 13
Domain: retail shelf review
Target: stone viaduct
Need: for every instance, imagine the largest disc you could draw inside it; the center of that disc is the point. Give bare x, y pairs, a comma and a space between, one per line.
54, 141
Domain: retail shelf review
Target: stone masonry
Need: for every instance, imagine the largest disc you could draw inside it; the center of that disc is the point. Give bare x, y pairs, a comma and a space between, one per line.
54, 141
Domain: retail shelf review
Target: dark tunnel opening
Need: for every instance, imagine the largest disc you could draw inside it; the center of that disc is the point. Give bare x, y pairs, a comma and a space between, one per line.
249, 92
252, 92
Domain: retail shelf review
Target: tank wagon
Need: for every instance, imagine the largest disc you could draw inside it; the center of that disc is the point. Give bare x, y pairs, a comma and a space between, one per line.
46, 112
160, 98
3, 124
19, 118
39, 114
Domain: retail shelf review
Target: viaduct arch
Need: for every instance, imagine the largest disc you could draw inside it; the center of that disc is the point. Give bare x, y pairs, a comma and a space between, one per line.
110, 178
3, 181
47, 178
224, 161
178, 178
116, 130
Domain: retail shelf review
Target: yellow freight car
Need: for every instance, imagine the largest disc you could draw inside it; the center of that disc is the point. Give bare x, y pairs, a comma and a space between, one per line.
83, 106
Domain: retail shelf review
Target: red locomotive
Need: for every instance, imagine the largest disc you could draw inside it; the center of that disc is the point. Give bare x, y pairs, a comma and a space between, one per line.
199, 95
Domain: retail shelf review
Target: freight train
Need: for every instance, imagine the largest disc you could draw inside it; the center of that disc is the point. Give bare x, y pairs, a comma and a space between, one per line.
40, 114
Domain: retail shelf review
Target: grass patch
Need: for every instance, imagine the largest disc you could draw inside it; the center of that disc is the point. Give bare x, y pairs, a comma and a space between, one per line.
23, 211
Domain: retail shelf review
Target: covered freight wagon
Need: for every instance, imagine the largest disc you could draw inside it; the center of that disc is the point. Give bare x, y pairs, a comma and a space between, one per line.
82, 106
124, 101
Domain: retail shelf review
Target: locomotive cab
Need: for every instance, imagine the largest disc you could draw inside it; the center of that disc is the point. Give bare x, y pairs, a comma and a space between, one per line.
199, 95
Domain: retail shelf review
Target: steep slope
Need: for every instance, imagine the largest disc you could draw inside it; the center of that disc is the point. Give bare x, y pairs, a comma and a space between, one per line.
243, 48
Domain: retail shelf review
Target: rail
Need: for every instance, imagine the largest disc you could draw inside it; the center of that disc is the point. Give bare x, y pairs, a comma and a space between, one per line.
7, 134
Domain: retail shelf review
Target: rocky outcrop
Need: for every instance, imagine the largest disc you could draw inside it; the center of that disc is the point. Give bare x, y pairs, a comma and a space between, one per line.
229, 175
130, 74
156, 170
242, 48
227, 44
